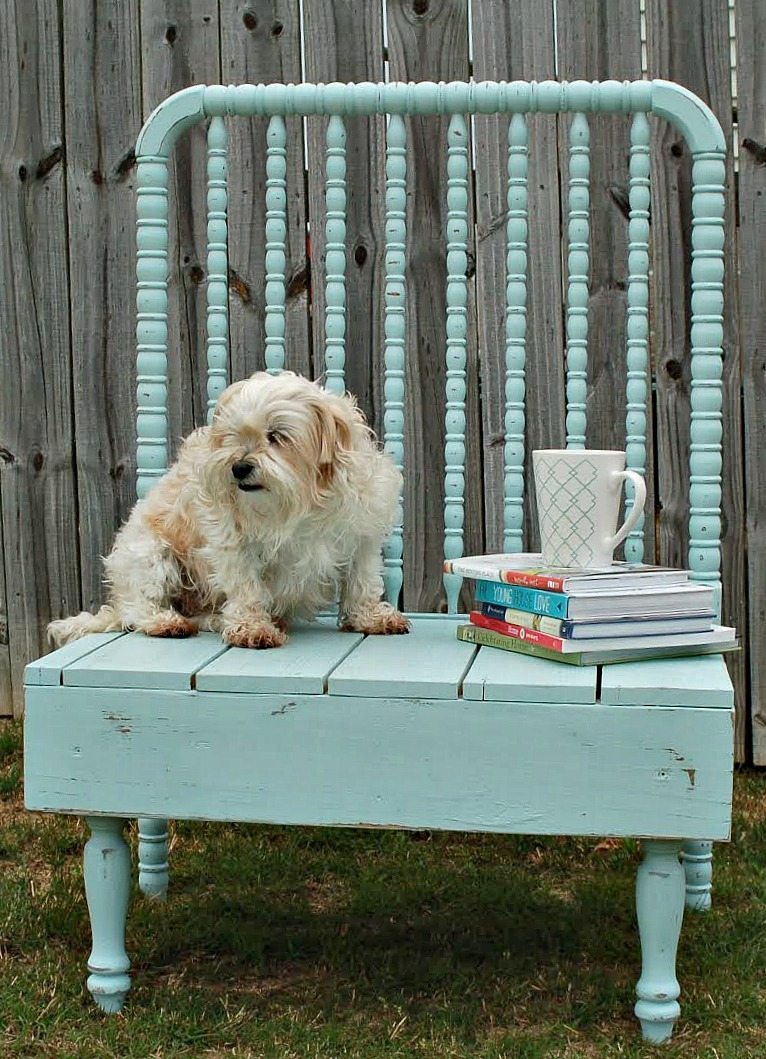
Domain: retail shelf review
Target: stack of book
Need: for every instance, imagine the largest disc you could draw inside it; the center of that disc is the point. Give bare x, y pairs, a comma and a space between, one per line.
624, 612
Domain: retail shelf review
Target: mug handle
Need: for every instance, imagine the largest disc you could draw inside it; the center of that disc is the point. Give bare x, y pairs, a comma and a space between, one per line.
636, 511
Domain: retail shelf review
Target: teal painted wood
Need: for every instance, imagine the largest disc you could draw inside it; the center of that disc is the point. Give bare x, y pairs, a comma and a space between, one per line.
454, 764
705, 461
276, 242
516, 239
47, 670
660, 908
303, 665
151, 321
639, 197
456, 354
153, 868
335, 257
673, 102
138, 661
394, 335
697, 859
669, 682
503, 677
106, 869
578, 265
217, 264
432, 663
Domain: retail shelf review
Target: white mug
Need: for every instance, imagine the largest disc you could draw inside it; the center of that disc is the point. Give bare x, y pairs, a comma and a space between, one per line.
578, 501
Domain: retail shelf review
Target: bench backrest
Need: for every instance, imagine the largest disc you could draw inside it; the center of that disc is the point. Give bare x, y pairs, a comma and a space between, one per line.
458, 100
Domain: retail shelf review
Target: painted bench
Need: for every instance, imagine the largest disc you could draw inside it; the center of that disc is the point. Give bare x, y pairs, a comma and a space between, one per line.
424, 731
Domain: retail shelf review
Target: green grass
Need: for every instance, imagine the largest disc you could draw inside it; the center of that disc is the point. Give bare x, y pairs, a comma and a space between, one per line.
322, 944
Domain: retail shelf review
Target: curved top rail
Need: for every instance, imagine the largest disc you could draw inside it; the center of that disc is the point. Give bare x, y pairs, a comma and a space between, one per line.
694, 119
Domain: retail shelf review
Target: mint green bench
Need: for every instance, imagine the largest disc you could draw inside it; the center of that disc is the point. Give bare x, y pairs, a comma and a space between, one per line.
422, 732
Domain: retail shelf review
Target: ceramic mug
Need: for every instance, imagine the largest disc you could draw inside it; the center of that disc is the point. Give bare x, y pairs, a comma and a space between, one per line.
578, 502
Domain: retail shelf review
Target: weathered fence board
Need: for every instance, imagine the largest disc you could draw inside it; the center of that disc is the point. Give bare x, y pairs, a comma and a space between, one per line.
39, 498
180, 44
261, 41
102, 109
751, 109
514, 41
691, 45
343, 41
430, 42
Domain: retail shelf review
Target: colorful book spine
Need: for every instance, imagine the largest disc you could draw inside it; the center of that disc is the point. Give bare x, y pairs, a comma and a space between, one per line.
489, 638
517, 632
551, 626
550, 604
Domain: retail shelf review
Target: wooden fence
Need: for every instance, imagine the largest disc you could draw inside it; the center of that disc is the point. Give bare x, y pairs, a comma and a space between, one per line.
78, 79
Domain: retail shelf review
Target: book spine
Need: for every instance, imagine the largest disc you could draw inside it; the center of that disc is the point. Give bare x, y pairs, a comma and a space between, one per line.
551, 604
517, 632
526, 579
489, 638
512, 616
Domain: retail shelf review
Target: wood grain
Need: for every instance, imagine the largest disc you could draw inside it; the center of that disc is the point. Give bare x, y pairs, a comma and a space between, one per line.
691, 45
751, 108
37, 480
261, 42
430, 42
344, 42
597, 41
517, 41
180, 45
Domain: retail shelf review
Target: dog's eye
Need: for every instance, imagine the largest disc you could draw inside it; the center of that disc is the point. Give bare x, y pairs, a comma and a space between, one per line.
275, 437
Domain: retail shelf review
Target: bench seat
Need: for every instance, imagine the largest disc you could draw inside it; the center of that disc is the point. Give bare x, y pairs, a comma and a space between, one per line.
423, 732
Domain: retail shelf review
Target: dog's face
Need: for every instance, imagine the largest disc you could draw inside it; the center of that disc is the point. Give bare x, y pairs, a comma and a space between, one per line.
277, 443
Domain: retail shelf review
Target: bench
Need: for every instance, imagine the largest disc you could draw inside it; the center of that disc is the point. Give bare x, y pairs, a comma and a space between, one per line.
423, 731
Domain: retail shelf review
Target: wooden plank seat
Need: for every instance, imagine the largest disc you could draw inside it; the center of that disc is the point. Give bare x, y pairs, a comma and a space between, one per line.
421, 731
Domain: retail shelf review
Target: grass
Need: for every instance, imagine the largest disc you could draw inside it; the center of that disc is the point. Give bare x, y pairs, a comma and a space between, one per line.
322, 944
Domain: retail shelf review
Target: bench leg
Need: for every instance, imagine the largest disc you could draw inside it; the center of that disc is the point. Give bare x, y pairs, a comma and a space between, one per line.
660, 907
107, 888
153, 858
697, 859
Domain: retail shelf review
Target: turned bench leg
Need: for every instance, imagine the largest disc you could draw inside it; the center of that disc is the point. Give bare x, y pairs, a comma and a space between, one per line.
697, 859
660, 906
107, 888
153, 858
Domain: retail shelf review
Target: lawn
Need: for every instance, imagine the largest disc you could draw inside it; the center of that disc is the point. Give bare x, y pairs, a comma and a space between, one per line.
285, 943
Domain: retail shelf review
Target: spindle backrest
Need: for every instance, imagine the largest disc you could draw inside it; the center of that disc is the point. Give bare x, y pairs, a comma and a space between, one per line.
459, 100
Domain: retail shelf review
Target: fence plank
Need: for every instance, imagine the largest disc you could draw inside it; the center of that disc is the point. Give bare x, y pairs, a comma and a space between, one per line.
6, 684
690, 44
514, 41
344, 42
430, 42
260, 42
598, 41
751, 109
39, 501
180, 46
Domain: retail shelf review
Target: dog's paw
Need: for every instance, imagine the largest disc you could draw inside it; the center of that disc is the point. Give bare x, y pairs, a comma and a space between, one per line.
379, 620
259, 635
171, 625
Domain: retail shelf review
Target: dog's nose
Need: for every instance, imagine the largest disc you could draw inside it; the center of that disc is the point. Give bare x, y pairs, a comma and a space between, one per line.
241, 470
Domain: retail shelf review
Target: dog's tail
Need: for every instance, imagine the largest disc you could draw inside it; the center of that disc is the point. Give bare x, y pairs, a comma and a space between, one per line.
67, 629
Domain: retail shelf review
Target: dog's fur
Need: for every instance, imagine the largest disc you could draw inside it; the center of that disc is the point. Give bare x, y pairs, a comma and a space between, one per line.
302, 523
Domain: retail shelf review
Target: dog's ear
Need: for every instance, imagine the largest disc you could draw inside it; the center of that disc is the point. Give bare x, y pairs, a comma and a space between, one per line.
334, 433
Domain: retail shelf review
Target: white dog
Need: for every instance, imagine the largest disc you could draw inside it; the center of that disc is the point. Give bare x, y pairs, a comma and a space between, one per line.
273, 511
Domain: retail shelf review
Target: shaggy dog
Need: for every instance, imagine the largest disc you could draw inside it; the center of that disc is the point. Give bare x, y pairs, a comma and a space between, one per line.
273, 511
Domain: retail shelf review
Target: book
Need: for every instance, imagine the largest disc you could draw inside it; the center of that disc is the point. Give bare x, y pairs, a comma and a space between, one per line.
527, 569
560, 645
584, 630
488, 638
651, 602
